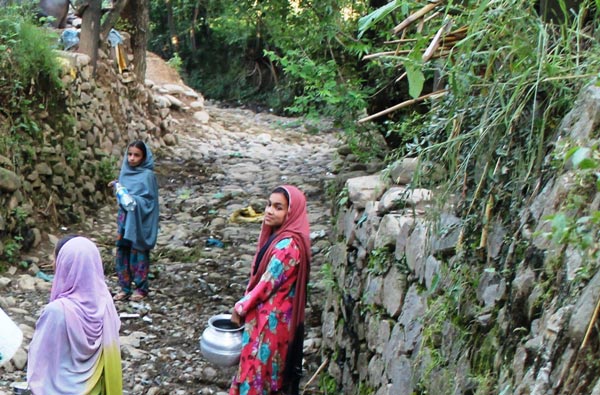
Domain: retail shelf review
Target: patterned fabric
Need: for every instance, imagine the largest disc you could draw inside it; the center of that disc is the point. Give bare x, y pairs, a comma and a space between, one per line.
268, 315
273, 306
75, 347
132, 266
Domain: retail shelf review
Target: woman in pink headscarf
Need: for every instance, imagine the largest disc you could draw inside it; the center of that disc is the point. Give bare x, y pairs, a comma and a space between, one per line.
272, 308
75, 346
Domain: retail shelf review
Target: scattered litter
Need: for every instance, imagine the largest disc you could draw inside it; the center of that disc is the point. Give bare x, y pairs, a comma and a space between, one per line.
44, 276
114, 38
147, 319
69, 38
246, 214
210, 242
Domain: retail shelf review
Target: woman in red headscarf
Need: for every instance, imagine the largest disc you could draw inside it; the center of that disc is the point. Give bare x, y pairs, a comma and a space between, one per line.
272, 308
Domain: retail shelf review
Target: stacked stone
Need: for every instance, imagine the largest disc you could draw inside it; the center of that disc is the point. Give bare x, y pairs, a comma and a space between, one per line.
64, 173
390, 320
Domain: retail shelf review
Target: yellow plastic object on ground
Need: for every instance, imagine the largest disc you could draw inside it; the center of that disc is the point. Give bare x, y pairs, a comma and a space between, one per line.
246, 214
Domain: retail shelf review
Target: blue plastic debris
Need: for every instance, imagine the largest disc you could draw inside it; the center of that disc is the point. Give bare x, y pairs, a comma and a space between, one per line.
69, 38
210, 242
114, 38
44, 276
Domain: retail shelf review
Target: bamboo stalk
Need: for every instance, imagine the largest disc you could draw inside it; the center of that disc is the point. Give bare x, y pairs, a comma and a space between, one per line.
435, 43
404, 104
401, 41
569, 77
590, 325
460, 31
454, 35
479, 187
414, 17
386, 53
325, 362
400, 78
488, 218
430, 17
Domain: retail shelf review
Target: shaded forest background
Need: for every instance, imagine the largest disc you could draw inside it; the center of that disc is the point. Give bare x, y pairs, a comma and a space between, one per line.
475, 89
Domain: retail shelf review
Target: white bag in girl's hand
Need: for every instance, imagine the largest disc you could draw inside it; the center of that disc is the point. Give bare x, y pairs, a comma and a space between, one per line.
10, 338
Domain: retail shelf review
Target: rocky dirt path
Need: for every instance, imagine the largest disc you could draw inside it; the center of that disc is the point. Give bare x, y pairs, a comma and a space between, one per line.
217, 168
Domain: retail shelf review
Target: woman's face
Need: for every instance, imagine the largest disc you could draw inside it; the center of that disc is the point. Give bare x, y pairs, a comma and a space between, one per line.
135, 156
276, 211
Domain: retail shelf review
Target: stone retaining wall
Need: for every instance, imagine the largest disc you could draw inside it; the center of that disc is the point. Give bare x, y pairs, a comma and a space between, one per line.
407, 314
61, 177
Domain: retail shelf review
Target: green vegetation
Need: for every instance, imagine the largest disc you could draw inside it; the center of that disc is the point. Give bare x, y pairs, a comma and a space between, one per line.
31, 94
380, 261
30, 73
328, 385
482, 104
573, 225
107, 169
30, 82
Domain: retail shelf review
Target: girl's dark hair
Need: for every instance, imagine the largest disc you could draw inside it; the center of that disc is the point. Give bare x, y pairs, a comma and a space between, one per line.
142, 147
62, 242
284, 192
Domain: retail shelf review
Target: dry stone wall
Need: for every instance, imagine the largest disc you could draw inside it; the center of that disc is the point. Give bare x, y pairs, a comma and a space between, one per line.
407, 314
57, 179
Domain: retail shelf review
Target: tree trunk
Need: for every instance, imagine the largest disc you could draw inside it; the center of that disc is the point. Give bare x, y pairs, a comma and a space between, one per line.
193, 28
171, 24
90, 30
138, 14
112, 17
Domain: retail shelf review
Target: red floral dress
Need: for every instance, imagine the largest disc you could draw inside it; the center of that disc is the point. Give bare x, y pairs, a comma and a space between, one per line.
267, 311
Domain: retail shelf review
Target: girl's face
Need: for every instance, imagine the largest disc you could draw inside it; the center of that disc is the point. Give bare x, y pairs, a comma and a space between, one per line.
276, 211
135, 156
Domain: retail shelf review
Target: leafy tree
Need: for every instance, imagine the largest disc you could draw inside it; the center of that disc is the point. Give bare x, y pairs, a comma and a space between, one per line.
269, 52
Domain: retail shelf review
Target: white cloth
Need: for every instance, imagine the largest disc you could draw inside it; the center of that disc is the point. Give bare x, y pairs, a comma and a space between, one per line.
10, 338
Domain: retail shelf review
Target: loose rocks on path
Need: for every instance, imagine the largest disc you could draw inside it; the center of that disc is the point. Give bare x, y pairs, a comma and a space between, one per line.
217, 168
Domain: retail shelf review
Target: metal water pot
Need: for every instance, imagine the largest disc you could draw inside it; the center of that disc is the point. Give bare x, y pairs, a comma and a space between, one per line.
21, 388
221, 341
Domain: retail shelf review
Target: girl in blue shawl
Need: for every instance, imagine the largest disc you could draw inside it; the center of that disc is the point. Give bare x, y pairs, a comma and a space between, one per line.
137, 229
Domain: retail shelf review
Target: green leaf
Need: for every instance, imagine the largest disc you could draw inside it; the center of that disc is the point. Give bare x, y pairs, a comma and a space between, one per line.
580, 155
416, 79
368, 21
560, 227
587, 163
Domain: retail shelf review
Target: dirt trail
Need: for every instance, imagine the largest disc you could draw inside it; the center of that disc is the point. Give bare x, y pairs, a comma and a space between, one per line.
217, 167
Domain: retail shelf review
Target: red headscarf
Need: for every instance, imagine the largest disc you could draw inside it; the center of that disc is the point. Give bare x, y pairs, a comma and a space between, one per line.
295, 226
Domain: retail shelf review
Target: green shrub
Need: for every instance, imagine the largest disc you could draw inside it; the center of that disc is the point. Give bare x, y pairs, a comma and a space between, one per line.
29, 69
30, 82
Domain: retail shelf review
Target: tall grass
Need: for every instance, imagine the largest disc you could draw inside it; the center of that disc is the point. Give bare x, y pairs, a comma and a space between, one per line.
510, 81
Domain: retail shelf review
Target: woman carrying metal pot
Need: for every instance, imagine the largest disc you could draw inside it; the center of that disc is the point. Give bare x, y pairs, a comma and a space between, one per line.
272, 308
